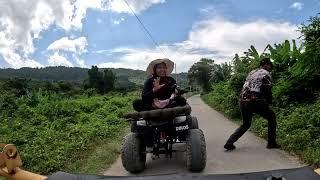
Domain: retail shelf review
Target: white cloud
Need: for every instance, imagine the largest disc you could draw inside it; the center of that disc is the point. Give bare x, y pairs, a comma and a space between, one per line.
215, 38
99, 21
75, 46
43, 17
138, 6
135, 58
58, 60
11, 48
209, 10
72, 45
228, 37
16, 60
117, 22
22, 21
297, 5
80, 62
75, 11
102, 51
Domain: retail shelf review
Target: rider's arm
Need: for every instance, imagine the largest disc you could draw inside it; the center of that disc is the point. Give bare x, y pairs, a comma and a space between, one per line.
266, 88
148, 94
172, 82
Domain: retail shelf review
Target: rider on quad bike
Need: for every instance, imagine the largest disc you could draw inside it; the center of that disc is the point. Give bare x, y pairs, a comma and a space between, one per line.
160, 91
163, 120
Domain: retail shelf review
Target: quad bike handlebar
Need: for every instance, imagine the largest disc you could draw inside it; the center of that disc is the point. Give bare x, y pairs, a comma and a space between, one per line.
177, 89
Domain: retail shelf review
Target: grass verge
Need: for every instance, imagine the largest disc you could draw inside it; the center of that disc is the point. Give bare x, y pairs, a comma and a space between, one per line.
99, 157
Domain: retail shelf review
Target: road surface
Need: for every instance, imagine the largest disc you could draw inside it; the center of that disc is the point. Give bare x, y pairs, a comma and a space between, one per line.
251, 154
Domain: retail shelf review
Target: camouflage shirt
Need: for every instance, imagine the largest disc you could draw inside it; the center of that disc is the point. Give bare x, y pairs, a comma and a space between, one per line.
257, 86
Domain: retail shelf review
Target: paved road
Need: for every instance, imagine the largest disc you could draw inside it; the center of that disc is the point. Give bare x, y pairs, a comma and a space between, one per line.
250, 155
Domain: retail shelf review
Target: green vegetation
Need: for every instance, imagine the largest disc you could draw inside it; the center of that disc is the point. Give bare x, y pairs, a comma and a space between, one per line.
296, 90
53, 131
205, 72
67, 119
61, 126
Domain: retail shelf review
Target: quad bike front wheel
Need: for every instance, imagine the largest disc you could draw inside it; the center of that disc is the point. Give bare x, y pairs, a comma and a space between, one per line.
196, 150
133, 153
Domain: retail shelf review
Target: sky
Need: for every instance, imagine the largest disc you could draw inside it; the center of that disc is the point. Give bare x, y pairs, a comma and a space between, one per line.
82, 33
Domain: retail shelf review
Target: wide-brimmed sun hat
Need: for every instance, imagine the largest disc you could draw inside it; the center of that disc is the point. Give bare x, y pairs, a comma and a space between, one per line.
168, 62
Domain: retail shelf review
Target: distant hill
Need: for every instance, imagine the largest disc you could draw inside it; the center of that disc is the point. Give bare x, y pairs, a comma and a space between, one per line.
77, 74
47, 73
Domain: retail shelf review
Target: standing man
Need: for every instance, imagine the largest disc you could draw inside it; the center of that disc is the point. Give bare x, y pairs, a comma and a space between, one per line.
256, 98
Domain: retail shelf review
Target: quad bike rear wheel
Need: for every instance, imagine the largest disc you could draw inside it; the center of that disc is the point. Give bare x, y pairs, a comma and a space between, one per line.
133, 153
192, 122
196, 150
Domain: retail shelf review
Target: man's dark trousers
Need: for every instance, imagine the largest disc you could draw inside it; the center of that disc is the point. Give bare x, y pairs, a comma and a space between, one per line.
248, 109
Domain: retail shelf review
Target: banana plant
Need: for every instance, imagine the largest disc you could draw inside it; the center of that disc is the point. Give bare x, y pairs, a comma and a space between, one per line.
284, 56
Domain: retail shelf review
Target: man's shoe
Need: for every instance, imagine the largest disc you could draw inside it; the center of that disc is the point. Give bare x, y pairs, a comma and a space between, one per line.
273, 146
229, 147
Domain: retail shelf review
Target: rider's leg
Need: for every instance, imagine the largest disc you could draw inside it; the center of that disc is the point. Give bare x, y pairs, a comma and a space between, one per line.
148, 136
139, 105
266, 112
246, 112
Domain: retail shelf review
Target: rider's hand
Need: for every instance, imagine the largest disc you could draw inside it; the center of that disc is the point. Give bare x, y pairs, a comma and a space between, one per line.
157, 85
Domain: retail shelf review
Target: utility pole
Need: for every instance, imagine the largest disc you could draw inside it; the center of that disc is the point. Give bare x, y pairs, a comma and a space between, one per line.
175, 67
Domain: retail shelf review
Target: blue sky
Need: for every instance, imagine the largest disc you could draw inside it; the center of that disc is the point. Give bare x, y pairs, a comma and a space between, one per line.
105, 33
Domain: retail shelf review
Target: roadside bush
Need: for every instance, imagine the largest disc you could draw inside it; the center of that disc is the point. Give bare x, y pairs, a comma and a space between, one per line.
54, 131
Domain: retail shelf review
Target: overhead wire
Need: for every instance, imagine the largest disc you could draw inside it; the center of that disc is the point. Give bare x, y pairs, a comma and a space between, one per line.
145, 29
150, 36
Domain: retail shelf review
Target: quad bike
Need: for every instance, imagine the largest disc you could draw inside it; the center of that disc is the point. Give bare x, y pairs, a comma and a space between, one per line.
167, 127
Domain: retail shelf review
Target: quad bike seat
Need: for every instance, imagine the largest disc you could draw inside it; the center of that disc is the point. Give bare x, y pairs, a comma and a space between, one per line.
166, 113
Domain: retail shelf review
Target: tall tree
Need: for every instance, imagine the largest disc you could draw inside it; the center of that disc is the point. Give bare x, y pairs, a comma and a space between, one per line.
310, 66
221, 72
109, 80
201, 73
94, 77
18, 86
101, 81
